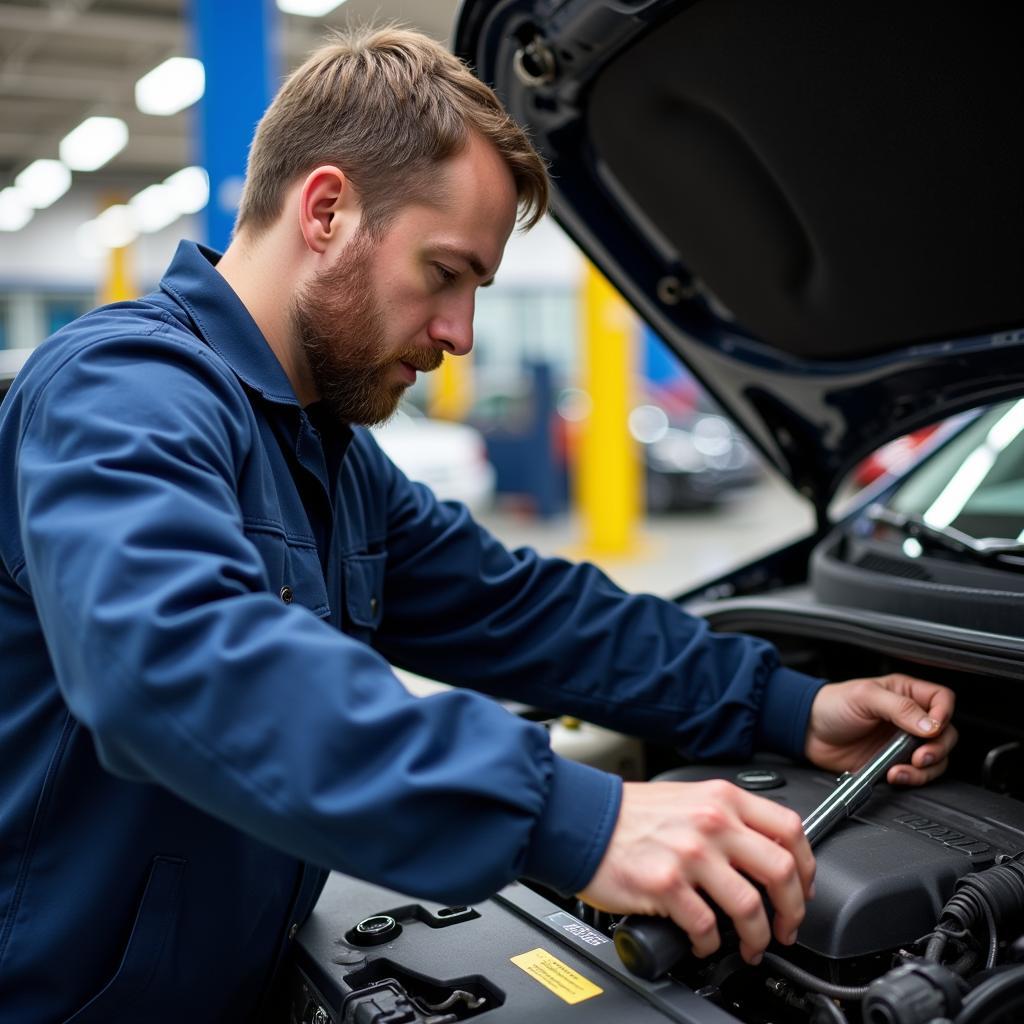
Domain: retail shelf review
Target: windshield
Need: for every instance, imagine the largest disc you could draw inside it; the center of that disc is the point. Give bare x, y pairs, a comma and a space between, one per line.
974, 484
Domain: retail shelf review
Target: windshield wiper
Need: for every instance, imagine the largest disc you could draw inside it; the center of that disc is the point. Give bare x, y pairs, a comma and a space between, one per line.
984, 549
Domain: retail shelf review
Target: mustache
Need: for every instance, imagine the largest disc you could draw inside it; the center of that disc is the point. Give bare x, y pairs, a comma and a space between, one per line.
421, 359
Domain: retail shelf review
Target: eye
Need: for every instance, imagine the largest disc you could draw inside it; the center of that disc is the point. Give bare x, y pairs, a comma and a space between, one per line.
446, 275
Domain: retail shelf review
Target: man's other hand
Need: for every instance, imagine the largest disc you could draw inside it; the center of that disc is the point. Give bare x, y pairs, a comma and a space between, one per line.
851, 721
676, 842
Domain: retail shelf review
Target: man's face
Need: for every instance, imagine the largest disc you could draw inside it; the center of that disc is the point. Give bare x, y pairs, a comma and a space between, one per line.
391, 307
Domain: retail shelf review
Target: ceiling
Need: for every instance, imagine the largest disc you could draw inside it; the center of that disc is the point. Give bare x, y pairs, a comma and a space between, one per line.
64, 60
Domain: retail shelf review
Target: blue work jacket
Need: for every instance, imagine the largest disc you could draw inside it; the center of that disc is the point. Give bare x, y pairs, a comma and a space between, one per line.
201, 596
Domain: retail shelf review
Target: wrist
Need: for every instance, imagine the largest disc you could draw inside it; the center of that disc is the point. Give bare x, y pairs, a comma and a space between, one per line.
575, 826
784, 721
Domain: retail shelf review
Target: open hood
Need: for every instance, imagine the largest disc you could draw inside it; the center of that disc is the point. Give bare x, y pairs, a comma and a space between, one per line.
819, 206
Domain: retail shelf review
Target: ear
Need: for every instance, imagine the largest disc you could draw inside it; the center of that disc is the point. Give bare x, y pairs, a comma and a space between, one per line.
328, 208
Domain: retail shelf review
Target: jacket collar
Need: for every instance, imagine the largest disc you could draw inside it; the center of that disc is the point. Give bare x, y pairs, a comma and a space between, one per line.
224, 322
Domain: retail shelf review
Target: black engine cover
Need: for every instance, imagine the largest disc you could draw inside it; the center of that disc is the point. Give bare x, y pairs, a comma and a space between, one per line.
884, 875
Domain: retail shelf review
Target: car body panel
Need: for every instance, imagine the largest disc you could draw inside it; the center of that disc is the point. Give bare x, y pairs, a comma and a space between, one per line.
839, 265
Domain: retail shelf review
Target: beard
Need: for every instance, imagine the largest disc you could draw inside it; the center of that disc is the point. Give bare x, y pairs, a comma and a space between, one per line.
339, 324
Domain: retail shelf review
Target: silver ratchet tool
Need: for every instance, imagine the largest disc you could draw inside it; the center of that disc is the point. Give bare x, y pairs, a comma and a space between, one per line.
854, 788
650, 946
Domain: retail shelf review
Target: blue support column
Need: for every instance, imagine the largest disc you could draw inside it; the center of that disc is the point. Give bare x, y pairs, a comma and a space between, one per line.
237, 41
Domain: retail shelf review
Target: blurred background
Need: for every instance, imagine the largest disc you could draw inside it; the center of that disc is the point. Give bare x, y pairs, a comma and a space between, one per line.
124, 126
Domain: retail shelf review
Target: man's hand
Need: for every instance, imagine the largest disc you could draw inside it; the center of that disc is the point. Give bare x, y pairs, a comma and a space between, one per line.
674, 842
851, 721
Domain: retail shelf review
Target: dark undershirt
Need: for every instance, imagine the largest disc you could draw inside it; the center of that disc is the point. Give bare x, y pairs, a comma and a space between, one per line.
335, 438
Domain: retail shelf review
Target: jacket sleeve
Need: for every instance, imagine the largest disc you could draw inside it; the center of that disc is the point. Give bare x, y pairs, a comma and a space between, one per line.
168, 647
460, 607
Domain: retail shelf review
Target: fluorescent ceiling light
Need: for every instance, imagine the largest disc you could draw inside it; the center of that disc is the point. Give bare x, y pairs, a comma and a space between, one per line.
15, 210
115, 227
309, 8
171, 86
153, 208
188, 189
43, 182
95, 141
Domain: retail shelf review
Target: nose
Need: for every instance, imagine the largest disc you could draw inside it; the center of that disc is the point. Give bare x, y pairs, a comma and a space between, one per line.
453, 329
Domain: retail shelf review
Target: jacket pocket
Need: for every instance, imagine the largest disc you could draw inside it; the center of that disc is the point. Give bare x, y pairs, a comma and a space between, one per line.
364, 592
151, 934
293, 567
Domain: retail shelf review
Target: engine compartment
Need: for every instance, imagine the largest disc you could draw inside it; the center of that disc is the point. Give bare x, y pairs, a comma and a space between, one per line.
867, 952
885, 884
884, 875
884, 881
918, 916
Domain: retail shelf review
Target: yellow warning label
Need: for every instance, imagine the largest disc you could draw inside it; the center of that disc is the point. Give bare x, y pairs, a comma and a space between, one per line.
555, 976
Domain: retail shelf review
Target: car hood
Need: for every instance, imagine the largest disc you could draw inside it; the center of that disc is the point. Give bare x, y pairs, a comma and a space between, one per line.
820, 207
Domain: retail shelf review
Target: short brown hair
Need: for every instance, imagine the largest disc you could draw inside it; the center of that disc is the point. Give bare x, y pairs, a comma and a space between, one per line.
386, 105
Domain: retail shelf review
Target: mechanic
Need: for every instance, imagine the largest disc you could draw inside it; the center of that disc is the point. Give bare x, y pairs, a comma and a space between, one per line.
207, 567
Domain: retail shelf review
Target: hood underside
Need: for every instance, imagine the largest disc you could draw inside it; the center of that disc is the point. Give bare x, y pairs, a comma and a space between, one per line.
820, 207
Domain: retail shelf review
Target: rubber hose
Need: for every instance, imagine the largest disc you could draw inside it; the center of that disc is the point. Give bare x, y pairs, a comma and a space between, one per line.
998, 891
963, 963
812, 981
936, 947
993, 937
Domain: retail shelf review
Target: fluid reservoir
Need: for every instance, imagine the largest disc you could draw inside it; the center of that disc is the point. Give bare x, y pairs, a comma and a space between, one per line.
600, 748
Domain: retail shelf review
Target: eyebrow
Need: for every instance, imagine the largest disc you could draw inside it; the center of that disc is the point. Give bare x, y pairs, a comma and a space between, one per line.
469, 257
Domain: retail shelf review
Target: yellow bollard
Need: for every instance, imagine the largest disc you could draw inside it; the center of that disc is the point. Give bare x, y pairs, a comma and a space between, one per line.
118, 285
452, 392
608, 480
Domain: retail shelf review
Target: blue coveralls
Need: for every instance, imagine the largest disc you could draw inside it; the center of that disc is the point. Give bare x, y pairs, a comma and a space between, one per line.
200, 596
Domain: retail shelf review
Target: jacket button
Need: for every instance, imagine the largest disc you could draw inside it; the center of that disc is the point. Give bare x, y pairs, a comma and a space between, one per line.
293, 931
373, 605
287, 595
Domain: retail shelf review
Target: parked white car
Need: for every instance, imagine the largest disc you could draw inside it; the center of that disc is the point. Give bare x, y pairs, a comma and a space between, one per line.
450, 458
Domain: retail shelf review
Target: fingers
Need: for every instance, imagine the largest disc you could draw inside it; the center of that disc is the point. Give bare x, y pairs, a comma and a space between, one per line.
769, 846
930, 759
677, 848
725, 875
889, 701
775, 852
786, 828
697, 919
928, 762
937, 701
923, 709
742, 904
775, 869
849, 722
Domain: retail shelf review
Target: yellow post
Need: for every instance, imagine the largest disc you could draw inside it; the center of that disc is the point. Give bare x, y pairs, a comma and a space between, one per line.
452, 393
118, 285
608, 467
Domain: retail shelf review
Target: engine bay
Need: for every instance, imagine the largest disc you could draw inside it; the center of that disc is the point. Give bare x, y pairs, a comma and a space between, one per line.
910, 865
918, 916
884, 875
